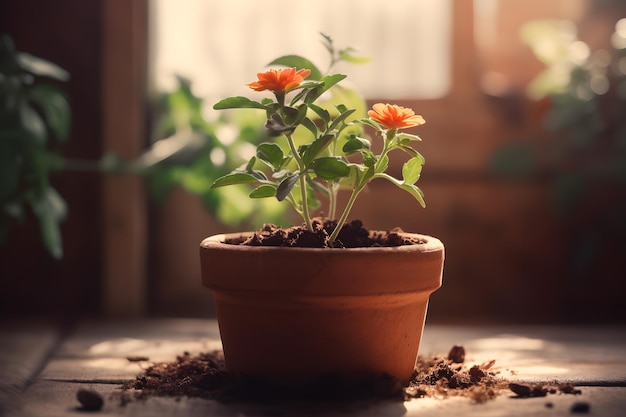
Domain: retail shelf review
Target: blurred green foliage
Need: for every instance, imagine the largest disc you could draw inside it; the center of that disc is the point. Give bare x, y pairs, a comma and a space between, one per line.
34, 113
586, 158
196, 151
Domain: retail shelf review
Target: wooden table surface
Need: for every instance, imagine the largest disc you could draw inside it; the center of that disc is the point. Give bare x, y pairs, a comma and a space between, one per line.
42, 365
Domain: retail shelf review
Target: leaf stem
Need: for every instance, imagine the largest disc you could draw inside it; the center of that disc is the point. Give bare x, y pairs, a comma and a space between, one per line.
359, 187
332, 200
305, 204
344, 215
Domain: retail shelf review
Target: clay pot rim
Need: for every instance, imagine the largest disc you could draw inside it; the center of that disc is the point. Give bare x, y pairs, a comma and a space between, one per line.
431, 244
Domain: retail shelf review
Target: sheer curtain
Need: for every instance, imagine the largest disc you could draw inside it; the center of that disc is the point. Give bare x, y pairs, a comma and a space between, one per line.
221, 45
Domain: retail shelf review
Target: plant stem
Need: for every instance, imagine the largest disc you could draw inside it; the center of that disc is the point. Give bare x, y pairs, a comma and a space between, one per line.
305, 205
359, 187
344, 215
332, 200
59, 163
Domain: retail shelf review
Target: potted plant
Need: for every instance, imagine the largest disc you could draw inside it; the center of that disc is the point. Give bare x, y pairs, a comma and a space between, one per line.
327, 303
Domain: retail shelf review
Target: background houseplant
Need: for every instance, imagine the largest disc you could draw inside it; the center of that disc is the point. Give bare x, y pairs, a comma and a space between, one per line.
33, 112
333, 313
35, 124
584, 159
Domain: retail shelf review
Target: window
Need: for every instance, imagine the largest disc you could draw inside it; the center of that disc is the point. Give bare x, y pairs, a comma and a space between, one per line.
221, 45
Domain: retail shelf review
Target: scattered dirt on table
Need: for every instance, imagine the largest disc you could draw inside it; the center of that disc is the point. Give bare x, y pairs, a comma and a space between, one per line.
352, 235
137, 358
205, 376
450, 376
90, 400
580, 407
526, 390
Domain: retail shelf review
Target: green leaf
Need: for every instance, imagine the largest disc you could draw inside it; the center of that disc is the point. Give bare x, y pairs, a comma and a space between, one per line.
295, 116
346, 55
415, 192
371, 123
300, 63
41, 67
32, 122
271, 153
310, 125
355, 144
369, 158
314, 187
411, 151
316, 147
410, 188
339, 119
183, 148
412, 169
405, 138
234, 178
54, 107
321, 112
330, 80
383, 165
238, 102
312, 200
263, 191
51, 210
286, 185
250, 164
327, 82
331, 168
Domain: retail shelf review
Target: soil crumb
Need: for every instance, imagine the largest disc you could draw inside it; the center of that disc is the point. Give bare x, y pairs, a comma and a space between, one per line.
205, 376
352, 235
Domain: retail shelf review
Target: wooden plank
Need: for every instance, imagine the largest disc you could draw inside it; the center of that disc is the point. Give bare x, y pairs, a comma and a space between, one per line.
52, 399
94, 356
24, 348
98, 351
584, 355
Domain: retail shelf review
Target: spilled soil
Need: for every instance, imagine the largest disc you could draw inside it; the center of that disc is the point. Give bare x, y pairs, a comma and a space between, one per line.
205, 376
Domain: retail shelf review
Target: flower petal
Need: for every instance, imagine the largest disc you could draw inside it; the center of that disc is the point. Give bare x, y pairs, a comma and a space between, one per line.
392, 116
279, 80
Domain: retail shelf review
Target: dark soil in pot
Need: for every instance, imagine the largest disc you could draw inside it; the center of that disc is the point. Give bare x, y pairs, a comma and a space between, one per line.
352, 235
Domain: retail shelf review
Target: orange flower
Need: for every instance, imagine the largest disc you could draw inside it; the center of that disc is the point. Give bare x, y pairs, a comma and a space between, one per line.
392, 116
279, 80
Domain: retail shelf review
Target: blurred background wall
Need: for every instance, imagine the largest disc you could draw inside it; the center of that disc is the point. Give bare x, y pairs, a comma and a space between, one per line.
527, 192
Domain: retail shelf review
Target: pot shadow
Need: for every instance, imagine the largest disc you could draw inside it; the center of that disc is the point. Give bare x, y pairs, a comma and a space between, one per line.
381, 396
312, 408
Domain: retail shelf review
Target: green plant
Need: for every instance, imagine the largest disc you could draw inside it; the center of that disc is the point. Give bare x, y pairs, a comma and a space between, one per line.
317, 140
33, 113
35, 117
585, 157
189, 155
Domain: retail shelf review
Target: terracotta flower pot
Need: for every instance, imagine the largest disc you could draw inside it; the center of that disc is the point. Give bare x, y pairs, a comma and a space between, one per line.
294, 315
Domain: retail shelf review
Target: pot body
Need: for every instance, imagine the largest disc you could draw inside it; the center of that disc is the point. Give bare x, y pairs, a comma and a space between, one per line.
294, 315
